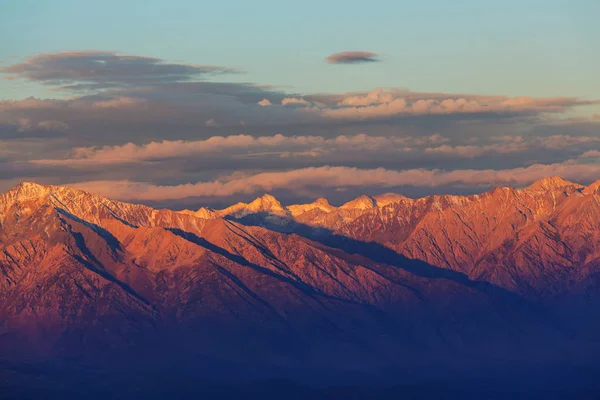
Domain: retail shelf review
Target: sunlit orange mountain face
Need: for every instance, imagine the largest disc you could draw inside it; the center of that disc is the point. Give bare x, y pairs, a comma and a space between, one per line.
379, 287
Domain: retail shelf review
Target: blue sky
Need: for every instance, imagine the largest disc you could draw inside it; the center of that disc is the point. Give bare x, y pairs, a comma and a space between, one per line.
541, 48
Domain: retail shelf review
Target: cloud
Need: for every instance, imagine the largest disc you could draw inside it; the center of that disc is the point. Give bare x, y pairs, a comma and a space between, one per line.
229, 146
564, 141
380, 104
515, 145
377, 96
295, 102
590, 154
102, 69
30, 103
331, 177
143, 119
191, 104
52, 125
351, 57
26, 125
341, 148
119, 102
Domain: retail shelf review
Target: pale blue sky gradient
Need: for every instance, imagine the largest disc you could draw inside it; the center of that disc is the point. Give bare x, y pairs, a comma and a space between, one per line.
511, 47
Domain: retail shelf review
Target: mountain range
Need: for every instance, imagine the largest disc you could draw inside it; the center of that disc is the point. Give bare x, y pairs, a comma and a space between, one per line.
382, 286
540, 241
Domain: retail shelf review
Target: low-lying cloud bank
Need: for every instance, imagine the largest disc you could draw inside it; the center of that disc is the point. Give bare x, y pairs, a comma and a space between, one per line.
220, 146
340, 178
317, 147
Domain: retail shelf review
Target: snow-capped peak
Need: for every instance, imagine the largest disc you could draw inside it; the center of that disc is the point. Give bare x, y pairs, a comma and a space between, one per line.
362, 202
88, 206
388, 198
321, 203
30, 190
550, 183
203, 212
264, 204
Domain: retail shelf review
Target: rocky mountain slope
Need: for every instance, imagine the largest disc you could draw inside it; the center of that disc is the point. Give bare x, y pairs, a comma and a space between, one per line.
376, 285
540, 241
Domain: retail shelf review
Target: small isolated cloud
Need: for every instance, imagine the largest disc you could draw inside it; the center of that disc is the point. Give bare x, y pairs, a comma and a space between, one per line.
264, 103
352, 57
211, 123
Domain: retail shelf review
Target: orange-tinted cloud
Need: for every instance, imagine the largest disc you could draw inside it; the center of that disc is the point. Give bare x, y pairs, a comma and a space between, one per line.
119, 102
287, 146
339, 177
311, 146
380, 104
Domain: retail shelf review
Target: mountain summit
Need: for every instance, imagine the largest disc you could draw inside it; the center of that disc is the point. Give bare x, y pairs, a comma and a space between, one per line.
362, 202
551, 183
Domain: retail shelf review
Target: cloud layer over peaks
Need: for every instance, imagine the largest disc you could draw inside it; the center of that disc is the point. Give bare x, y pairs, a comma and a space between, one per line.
146, 129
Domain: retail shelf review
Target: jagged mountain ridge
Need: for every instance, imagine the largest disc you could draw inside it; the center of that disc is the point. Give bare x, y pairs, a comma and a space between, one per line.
526, 240
514, 238
31, 209
270, 205
484, 236
539, 241
80, 271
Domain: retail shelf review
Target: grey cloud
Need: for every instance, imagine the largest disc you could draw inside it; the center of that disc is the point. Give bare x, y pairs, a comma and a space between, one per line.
246, 146
351, 57
177, 107
100, 69
279, 151
26, 125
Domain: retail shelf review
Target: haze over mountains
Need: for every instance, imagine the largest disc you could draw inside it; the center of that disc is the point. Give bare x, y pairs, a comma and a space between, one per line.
377, 287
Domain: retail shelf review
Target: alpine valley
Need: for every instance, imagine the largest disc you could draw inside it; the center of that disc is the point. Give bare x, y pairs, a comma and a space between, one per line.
499, 285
